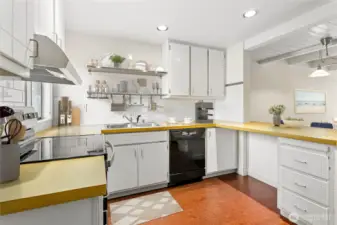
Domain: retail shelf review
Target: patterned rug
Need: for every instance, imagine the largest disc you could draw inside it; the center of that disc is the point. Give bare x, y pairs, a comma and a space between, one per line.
142, 209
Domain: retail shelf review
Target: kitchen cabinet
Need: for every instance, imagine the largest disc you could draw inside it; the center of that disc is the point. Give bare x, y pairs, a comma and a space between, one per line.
221, 150
50, 20
153, 163
6, 27
216, 73
177, 82
193, 71
123, 173
211, 152
139, 160
16, 30
199, 76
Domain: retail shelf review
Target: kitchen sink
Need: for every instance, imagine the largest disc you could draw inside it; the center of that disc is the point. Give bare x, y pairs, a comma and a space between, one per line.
130, 125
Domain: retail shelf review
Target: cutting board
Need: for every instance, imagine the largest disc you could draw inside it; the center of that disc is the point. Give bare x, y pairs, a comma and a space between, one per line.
76, 116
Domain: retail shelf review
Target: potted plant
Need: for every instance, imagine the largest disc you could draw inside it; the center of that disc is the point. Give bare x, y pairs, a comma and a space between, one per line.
276, 111
117, 60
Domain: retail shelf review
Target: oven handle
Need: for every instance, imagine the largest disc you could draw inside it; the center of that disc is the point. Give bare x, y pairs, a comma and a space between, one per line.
108, 145
27, 155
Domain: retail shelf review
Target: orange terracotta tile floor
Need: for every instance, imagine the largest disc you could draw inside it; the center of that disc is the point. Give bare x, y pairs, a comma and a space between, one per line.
228, 200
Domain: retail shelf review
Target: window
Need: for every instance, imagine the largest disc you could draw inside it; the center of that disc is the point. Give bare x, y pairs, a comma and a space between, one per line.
37, 97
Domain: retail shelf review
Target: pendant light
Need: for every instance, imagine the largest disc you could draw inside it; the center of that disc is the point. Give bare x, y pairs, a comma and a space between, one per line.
320, 72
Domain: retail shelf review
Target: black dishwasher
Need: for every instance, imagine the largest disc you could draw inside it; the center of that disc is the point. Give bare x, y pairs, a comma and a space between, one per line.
187, 155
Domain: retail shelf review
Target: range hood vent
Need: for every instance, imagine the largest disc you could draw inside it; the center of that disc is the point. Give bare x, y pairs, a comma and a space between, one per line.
51, 64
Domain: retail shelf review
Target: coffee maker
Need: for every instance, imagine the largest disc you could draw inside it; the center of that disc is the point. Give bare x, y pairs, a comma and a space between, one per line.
204, 112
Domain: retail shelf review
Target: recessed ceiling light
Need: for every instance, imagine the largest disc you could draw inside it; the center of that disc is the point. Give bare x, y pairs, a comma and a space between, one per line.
162, 28
250, 13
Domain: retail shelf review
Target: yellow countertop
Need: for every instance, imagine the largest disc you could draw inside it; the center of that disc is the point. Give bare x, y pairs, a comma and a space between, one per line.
317, 135
50, 183
66, 131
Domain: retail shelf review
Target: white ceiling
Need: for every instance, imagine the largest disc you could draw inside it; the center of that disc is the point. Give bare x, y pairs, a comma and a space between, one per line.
297, 40
216, 23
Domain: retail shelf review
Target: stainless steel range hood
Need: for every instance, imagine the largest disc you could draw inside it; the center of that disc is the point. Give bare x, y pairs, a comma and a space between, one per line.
51, 64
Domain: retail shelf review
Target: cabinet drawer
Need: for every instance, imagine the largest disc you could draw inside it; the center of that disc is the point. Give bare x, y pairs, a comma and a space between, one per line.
304, 185
308, 162
306, 210
136, 138
304, 144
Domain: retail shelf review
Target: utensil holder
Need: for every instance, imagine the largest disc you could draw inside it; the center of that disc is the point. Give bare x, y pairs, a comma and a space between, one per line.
9, 162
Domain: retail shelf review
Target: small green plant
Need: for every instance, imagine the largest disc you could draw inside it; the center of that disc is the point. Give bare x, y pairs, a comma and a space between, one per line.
294, 119
117, 59
277, 109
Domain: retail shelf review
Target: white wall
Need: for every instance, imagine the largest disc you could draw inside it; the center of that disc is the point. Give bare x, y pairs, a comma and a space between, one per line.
275, 83
81, 48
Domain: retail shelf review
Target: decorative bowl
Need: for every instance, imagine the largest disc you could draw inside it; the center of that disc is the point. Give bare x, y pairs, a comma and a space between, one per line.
294, 123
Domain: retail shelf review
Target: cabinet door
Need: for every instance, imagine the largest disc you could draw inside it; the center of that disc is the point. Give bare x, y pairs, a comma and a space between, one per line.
6, 27
199, 71
227, 150
20, 21
122, 174
179, 69
211, 151
59, 22
153, 163
6, 15
44, 18
216, 71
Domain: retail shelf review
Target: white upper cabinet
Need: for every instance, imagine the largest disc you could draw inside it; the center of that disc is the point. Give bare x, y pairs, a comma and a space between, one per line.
44, 18
216, 72
59, 23
199, 76
6, 27
50, 21
19, 21
179, 70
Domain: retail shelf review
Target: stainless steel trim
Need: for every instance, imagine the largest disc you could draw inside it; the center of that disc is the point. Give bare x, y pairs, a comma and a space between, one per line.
300, 185
297, 207
233, 84
300, 161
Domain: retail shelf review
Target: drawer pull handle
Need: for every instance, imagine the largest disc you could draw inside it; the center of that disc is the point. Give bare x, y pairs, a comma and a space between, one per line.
300, 185
299, 208
300, 161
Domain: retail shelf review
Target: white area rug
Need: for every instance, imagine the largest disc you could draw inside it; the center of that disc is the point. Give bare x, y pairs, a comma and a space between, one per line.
143, 209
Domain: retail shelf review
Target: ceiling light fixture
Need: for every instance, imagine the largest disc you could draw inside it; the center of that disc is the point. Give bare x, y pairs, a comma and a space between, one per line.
249, 13
320, 72
162, 28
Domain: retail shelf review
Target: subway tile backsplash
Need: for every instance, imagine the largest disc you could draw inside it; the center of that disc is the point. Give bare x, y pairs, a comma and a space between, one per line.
12, 93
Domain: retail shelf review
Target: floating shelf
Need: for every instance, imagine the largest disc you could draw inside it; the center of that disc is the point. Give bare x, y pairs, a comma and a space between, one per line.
125, 71
104, 95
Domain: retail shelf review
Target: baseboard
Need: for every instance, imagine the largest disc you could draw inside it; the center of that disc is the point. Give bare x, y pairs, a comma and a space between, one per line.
263, 179
220, 173
136, 191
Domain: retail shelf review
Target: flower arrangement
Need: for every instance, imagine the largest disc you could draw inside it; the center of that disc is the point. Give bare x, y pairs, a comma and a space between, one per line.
277, 109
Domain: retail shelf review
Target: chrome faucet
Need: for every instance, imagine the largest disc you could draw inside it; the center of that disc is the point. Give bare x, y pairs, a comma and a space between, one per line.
128, 118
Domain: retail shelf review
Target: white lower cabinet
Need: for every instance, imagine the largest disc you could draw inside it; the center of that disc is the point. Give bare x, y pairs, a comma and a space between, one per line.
221, 150
153, 163
136, 163
122, 174
306, 182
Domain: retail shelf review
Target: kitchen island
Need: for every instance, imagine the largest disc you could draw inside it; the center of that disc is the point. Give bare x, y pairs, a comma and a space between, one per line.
56, 192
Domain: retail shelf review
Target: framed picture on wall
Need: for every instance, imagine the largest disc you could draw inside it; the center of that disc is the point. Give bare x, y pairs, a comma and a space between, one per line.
310, 102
